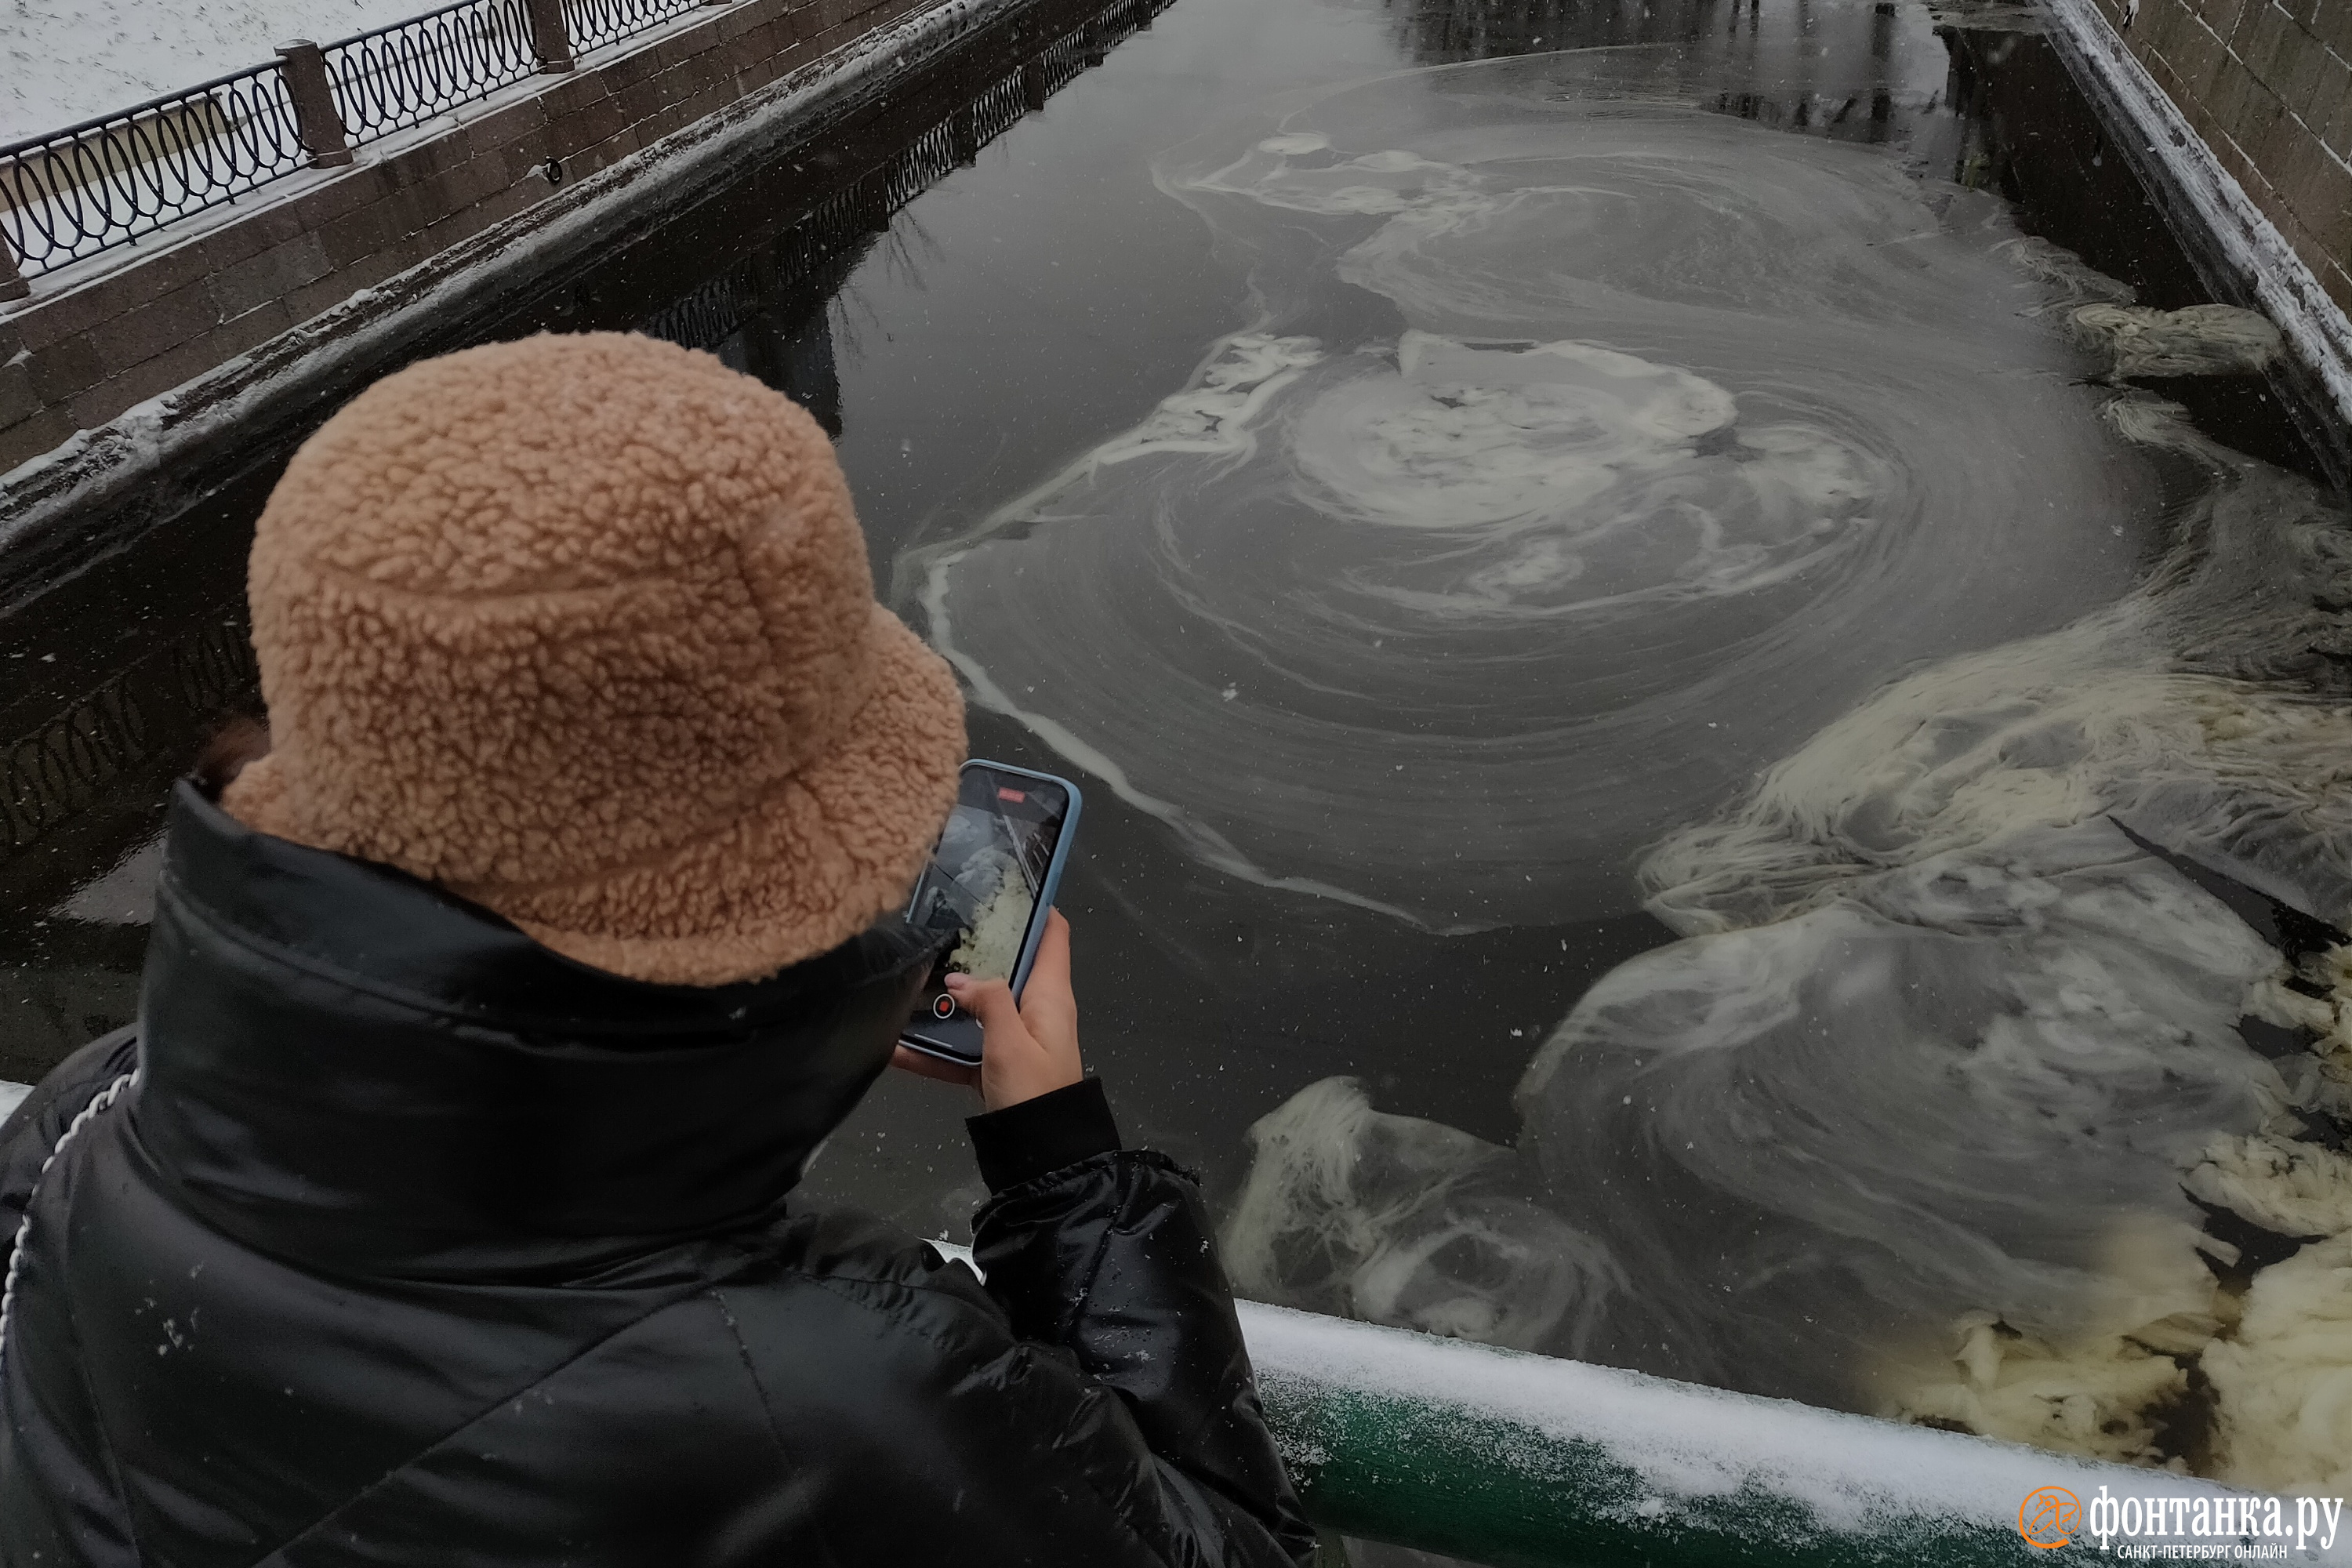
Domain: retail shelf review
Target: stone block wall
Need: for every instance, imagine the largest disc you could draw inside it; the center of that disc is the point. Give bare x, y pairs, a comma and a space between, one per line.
111, 332
2268, 86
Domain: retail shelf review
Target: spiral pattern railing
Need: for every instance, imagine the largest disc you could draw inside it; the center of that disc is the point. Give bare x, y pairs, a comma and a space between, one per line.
405, 74
105, 182
596, 23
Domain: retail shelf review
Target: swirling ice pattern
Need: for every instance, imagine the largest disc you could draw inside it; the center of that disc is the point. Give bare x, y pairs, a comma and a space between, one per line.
1402, 1221
1566, 479
1911, 1119
1585, 456
1589, 457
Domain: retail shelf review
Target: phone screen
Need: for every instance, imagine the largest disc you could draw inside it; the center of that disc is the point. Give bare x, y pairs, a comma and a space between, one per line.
981, 891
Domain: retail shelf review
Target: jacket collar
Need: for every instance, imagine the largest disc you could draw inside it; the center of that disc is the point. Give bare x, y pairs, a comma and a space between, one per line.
343, 1064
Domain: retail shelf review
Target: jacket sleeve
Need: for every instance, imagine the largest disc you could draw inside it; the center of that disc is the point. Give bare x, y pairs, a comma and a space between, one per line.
1110, 1260
33, 1129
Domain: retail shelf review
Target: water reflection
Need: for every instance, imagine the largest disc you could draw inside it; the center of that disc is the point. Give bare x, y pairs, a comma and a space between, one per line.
108, 685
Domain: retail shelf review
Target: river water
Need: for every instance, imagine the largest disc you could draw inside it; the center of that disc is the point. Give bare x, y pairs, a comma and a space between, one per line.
1712, 700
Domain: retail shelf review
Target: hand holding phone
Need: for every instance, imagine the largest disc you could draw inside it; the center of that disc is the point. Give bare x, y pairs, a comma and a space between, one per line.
1031, 1045
986, 897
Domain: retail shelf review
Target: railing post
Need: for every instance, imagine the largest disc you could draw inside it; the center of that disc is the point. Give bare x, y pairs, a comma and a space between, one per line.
12, 282
316, 123
550, 41
1036, 87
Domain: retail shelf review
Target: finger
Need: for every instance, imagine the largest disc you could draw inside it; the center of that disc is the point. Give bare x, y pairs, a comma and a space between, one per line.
1046, 1002
991, 1002
1051, 963
921, 1064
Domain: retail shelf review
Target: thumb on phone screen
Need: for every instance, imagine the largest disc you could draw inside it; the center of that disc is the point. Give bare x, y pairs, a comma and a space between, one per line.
1029, 1048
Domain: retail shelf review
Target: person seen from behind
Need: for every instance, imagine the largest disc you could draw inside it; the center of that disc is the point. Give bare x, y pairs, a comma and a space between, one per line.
435, 1209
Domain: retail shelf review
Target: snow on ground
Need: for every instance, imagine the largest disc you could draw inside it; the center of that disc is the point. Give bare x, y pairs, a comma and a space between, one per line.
68, 60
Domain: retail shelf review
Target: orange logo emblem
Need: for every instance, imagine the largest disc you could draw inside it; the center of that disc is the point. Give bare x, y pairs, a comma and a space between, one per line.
2049, 1517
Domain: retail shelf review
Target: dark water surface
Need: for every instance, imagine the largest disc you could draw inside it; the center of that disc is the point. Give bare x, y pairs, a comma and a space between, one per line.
1420, 466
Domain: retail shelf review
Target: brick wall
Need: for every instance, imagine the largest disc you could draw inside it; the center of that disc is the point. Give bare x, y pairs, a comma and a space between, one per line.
2269, 89
111, 331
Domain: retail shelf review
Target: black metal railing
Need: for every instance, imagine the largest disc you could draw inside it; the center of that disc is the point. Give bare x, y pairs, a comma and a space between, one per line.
596, 23
105, 182
405, 74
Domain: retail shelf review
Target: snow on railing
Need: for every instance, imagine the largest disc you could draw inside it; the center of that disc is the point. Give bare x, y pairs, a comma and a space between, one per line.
1494, 1457
107, 181
596, 23
405, 74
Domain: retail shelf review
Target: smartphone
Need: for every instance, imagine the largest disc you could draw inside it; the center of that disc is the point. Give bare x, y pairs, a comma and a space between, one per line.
986, 893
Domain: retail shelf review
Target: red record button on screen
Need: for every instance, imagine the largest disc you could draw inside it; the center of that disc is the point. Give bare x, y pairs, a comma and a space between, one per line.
942, 1006
1014, 795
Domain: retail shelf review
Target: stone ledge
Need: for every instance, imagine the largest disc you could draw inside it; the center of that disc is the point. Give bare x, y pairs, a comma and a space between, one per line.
2241, 235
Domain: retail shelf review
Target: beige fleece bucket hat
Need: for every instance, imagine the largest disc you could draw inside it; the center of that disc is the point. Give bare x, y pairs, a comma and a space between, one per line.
582, 630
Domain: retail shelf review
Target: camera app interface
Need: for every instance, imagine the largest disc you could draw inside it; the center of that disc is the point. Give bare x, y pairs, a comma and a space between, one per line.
982, 884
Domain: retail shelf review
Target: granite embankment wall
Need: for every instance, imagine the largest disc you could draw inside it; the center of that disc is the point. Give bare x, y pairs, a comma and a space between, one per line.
2268, 87
105, 334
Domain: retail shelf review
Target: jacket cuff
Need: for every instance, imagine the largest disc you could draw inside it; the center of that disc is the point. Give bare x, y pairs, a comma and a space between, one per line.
1061, 1128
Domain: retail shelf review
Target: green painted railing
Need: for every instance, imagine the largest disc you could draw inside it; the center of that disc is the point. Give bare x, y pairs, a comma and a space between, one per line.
1523, 1461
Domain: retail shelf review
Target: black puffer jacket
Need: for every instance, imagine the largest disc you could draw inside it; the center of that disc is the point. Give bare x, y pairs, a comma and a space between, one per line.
413, 1243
